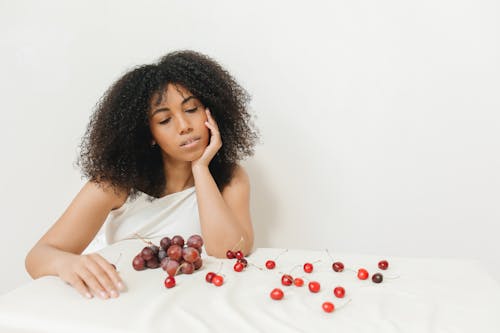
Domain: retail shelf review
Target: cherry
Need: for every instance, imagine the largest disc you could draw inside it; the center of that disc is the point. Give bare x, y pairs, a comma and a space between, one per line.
209, 277
218, 280
314, 286
383, 264
243, 261
298, 282
170, 282
377, 278
363, 274
239, 255
339, 292
238, 267
270, 264
277, 294
230, 254
338, 266
328, 306
308, 267
286, 280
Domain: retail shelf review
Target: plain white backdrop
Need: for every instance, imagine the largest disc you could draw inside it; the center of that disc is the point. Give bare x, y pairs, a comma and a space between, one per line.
379, 120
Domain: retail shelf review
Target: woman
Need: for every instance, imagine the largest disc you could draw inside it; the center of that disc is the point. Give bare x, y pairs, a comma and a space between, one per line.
175, 128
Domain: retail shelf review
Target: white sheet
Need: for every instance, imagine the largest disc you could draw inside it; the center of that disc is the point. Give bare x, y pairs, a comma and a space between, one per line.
431, 295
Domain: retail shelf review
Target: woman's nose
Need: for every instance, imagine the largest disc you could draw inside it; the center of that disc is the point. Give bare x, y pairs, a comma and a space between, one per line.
183, 125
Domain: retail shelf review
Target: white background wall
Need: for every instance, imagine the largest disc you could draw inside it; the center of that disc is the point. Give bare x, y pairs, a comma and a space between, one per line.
380, 120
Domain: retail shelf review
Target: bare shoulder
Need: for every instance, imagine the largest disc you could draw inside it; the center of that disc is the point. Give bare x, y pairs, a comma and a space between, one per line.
106, 194
240, 179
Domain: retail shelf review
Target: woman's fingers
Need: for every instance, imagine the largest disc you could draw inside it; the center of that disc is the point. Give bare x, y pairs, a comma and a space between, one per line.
93, 283
101, 275
110, 271
77, 283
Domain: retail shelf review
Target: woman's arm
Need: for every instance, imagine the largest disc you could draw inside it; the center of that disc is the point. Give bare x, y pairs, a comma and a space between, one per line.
58, 251
224, 217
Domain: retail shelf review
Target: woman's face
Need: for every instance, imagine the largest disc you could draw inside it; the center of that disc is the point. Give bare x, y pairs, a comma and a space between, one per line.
178, 124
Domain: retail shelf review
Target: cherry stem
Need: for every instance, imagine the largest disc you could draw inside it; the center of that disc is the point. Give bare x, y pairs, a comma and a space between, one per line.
328, 252
391, 277
293, 268
145, 241
352, 270
220, 267
119, 257
260, 268
342, 305
286, 250
237, 244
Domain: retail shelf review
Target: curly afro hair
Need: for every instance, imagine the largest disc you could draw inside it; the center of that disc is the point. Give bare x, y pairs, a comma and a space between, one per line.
116, 148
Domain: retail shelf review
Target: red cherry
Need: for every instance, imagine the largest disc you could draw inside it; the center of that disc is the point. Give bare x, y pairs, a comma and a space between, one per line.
298, 282
328, 307
218, 280
270, 264
277, 294
169, 282
314, 286
238, 267
230, 254
377, 278
383, 264
243, 261
209, 277
339, 292
363, 274
338, 266
286, 280
239, 255
308, 267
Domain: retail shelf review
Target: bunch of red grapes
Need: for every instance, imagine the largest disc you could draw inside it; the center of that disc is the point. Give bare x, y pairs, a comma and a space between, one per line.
173, 255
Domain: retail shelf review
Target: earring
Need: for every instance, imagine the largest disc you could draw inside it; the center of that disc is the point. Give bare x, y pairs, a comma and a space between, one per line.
153, 143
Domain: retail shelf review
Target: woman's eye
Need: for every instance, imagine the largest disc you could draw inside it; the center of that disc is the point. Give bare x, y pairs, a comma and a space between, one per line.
165, 121
192, 110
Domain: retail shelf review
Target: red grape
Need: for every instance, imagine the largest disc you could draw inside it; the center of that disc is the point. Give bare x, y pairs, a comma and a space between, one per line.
139, 263
178, 240
187, 268
147, 253
198, 263
153, 263
174, 252
165, 243
190, 254
171, 267
195, 241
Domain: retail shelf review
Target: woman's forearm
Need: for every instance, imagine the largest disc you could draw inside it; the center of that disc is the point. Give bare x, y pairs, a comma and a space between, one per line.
44, 260
220, 228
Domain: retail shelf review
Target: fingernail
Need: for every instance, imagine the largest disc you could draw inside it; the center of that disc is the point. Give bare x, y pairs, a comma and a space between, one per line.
113, 293
103, 294
121, 286
88, 295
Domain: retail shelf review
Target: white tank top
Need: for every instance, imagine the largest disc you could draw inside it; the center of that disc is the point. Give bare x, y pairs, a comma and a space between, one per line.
173, 214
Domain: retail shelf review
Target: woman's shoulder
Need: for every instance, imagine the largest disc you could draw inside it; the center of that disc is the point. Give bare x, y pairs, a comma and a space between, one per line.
111, 195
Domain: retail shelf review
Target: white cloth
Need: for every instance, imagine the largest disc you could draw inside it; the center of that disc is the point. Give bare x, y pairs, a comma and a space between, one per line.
173, 214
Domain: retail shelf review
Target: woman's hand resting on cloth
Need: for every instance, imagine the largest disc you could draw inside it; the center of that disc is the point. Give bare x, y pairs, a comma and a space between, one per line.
91, 275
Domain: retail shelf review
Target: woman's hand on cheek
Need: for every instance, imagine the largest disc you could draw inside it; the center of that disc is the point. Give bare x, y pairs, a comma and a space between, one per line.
214, 145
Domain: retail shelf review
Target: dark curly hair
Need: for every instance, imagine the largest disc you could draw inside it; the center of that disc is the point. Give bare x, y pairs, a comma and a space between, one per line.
116, 148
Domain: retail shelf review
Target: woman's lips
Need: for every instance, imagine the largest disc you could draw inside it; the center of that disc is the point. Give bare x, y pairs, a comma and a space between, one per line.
191, 144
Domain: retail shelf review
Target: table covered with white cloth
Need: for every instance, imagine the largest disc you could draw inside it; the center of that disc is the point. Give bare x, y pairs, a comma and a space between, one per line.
416, 295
